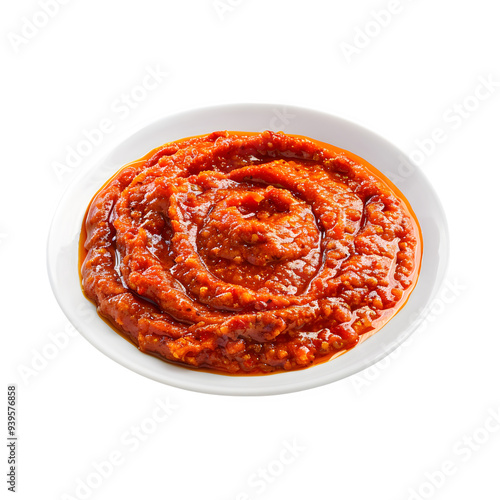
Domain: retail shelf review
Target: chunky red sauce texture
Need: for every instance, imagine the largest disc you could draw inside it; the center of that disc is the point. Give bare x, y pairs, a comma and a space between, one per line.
249, 253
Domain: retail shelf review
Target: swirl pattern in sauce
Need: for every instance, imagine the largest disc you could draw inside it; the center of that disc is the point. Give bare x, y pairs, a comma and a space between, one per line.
249, 253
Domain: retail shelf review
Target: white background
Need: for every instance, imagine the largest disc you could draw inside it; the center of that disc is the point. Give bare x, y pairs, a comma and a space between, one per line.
383, 434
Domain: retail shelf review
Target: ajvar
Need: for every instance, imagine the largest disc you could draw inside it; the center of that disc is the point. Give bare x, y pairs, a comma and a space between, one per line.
249, 253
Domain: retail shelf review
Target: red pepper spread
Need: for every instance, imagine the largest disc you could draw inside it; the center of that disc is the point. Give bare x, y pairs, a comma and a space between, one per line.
249, 253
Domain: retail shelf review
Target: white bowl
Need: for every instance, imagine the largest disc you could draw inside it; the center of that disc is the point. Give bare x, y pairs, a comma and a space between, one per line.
62, 251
